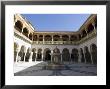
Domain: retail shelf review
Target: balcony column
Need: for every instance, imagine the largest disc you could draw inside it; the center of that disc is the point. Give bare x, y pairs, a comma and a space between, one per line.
43, 39
86, 32
61, 39
37, 39
94, 27
69, 39
52, 39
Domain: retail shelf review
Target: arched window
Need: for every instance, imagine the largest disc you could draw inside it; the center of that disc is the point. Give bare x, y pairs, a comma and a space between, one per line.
65, 38
19, 26
73, 38
25, 31
56, 37
90, 28
84, 34
30, 36
35, 38
48, 38
40, 37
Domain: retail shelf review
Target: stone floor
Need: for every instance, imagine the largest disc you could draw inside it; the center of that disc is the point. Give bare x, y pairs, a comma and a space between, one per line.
64, 69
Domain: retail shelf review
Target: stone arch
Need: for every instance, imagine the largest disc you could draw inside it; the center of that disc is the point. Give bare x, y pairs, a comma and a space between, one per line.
47, 54
82, 55
39, 54
87, 55
48, 38
90, 28
56, 38
30, 36
65, 55
25, 32
65, 37
35, 38
19, 25
93, 48
56, 50
79, 36
40, 37
84, 34
28, 53
22, 52
15, 50
34, 54
74, 55
56, 58
73, 38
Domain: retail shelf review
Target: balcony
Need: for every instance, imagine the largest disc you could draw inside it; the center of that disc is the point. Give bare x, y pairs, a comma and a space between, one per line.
54, 42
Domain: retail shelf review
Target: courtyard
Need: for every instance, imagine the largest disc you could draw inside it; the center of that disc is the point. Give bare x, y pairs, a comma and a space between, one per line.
51, 69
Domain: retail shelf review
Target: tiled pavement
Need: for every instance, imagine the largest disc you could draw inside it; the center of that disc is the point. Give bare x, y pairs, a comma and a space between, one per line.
65, 69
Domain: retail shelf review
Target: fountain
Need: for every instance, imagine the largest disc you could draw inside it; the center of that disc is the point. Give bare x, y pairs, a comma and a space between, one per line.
56, 60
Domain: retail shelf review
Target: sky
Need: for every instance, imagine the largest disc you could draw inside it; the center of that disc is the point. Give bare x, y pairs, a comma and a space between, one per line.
56, 22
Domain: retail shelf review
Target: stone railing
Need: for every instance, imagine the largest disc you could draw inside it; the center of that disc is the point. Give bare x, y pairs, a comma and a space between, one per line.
90, 35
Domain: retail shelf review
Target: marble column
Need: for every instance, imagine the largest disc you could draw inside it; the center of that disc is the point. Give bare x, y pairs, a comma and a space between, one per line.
61, 58
84, 54
52, 39
51, 56
79, 57
94, 27
43, 39
42, 56
91, 55
30, 58
17, 55
86, 32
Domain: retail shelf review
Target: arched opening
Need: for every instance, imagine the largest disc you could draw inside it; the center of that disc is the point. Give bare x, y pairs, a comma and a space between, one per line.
82, 55
47, 54
30, 36
35, 38
19, 26
87, 55
39, 54
94, 53
84, 34
34, 54
65, 55
15, 51
74, 55
65, 38
73, 38
90, 28
22, 52
28, 53
40, 37
48, 38
25, 31
56, 38
79, 36
56, 58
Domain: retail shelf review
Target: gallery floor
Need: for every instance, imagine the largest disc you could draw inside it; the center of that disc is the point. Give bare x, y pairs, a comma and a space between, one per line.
64, 69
